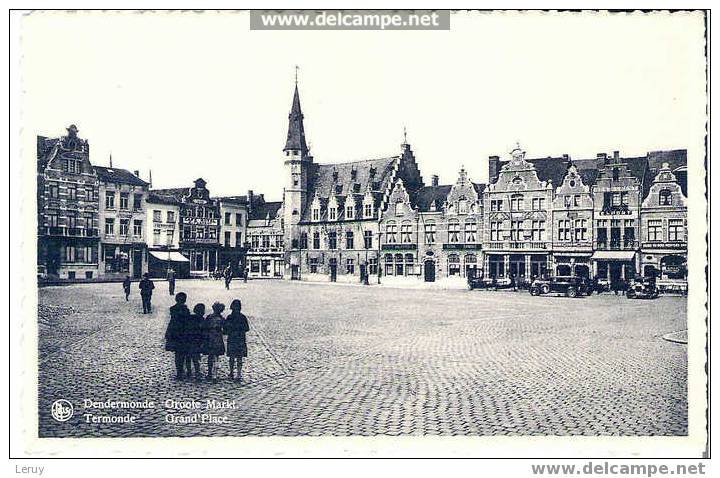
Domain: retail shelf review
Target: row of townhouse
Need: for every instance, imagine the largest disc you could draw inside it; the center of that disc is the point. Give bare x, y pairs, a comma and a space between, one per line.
97, 222
607, 217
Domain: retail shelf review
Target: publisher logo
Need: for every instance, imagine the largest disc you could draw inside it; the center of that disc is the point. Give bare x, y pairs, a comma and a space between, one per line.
62, 410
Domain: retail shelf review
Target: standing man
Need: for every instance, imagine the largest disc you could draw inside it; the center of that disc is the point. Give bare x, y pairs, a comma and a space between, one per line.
171, 281
228, 276
126, 288
246, 271
146, 287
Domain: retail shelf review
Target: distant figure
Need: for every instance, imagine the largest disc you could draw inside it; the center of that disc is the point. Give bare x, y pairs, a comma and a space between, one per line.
175, 335
228, 275
126, 288
214, 343
513, 279
194, 341
171, 281
146, 287
235, 327
245, 275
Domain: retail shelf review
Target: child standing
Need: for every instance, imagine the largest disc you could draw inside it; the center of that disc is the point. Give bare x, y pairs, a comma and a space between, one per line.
126, 288
235, 327
214, 343
175, 333
194, 340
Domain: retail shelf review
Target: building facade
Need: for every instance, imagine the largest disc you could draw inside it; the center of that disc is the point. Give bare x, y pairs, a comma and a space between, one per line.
163, 236
67, 214
233, 233
265, 257
122, 216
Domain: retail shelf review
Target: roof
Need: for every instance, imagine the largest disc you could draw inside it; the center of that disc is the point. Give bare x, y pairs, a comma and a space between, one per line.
242, 200
118, 176
426, 196
676, 158
263, 209
348, 179
167, 196
296, 129
551, 169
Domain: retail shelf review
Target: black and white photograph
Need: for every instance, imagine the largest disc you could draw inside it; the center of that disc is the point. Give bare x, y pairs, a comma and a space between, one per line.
448, 233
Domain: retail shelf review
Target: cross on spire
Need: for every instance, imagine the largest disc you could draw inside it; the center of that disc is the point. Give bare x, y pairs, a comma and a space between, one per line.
296, 74
404, 135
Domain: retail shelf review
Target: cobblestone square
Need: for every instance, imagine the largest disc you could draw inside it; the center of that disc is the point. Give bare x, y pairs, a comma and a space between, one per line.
352, 360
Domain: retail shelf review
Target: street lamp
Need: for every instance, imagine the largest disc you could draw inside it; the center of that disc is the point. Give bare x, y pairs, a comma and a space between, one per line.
379, 271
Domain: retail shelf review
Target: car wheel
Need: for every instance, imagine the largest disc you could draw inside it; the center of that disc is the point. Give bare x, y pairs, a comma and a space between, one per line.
545, 289
571, 292
534, 291
630, 294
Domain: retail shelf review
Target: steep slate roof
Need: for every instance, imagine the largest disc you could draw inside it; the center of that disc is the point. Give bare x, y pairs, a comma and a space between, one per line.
168, 196
322, 182
118, 176
242, 200
551, 169
296, 130
261, 210
424, 197
675, 158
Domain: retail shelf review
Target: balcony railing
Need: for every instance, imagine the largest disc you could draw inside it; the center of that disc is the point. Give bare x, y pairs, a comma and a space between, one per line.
70, 231
461, 246
616, 245
517, 245
616, 210
399, 246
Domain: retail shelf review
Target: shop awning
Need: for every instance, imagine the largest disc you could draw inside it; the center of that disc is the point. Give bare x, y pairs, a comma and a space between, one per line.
613, 255
172, 256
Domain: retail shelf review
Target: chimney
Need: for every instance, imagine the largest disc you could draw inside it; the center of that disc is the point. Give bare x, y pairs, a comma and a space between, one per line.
250, 199
493, 168
566, 157
136, 173
435, 180
616, 155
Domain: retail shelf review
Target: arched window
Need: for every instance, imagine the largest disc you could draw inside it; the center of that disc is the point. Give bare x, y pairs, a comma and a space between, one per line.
517, 202
665, 197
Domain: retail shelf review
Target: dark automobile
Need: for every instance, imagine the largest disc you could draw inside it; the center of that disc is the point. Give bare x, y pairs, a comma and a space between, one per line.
569, 286
643, 288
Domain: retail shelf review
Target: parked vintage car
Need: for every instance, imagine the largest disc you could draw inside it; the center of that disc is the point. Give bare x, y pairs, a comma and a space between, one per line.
643, 288
489, 283
569, 286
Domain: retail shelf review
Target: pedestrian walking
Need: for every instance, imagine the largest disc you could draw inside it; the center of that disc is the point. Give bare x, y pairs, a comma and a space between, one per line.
235, 327
171, 281
175, 335
194, 341
214, 343
246, 271
146, 287
228, 275
126, 288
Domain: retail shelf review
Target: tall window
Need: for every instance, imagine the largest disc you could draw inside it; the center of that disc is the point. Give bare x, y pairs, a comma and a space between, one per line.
137, 202
372, 266
170, 217
517, 202
110, 226
453, 231
388, 264
629, 232
495, 228
349, 211
137, 228
615, 174
238, 219
349, 240
238, 239
332, 213
654, 230
516, 231
316, 240
313, 261
368, 210
496, 205
399, 266
157, 216
399, 208
391, 230
406, 233
409, 263
109, 199
170, 236
255, 241
453, 265
537, 230
462, 206
124, 200
72, 192
332, 240
69, 253
538, 204
350, 266
265, 241
470, 231
564, 231
54, 191
430, 232
368, 239
156, 236
316, 214
675, 230
580, 229
227, 218
665, 197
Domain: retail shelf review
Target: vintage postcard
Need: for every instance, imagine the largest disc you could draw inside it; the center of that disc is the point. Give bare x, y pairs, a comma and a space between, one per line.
363, 233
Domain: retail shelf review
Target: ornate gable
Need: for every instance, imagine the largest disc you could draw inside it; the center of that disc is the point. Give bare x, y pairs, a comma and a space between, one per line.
518, 174
665, 191
463, 197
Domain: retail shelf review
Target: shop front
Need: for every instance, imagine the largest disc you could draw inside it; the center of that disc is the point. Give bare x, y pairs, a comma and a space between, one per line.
614, 268
160, 261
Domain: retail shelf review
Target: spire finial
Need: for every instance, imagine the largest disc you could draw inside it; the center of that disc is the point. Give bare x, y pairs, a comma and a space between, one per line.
296, 74
111, 159
404, 135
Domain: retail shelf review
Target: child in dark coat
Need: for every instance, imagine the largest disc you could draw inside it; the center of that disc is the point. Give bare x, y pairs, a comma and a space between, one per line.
126, 288
214, 343
194, 340
175, 333
235, 327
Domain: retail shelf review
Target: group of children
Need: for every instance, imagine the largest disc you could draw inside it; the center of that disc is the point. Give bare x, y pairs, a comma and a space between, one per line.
191, 335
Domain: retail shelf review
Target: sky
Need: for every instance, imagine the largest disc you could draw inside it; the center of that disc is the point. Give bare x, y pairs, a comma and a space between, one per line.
191, 95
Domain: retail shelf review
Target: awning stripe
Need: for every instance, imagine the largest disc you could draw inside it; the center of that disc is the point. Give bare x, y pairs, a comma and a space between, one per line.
172, 256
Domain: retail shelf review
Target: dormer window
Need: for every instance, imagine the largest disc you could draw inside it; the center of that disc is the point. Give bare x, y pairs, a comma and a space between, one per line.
338, 189
462, 206
356, 188
615, 174
665, 197
335, 175
316, 214
372, 172
349, 212
399, 208
332, 213
353, 174
368, 210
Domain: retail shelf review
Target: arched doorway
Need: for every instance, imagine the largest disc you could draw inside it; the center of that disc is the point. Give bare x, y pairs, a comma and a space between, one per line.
429, 271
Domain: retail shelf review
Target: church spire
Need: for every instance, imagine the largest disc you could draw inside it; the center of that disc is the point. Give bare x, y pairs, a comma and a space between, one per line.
296, 130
